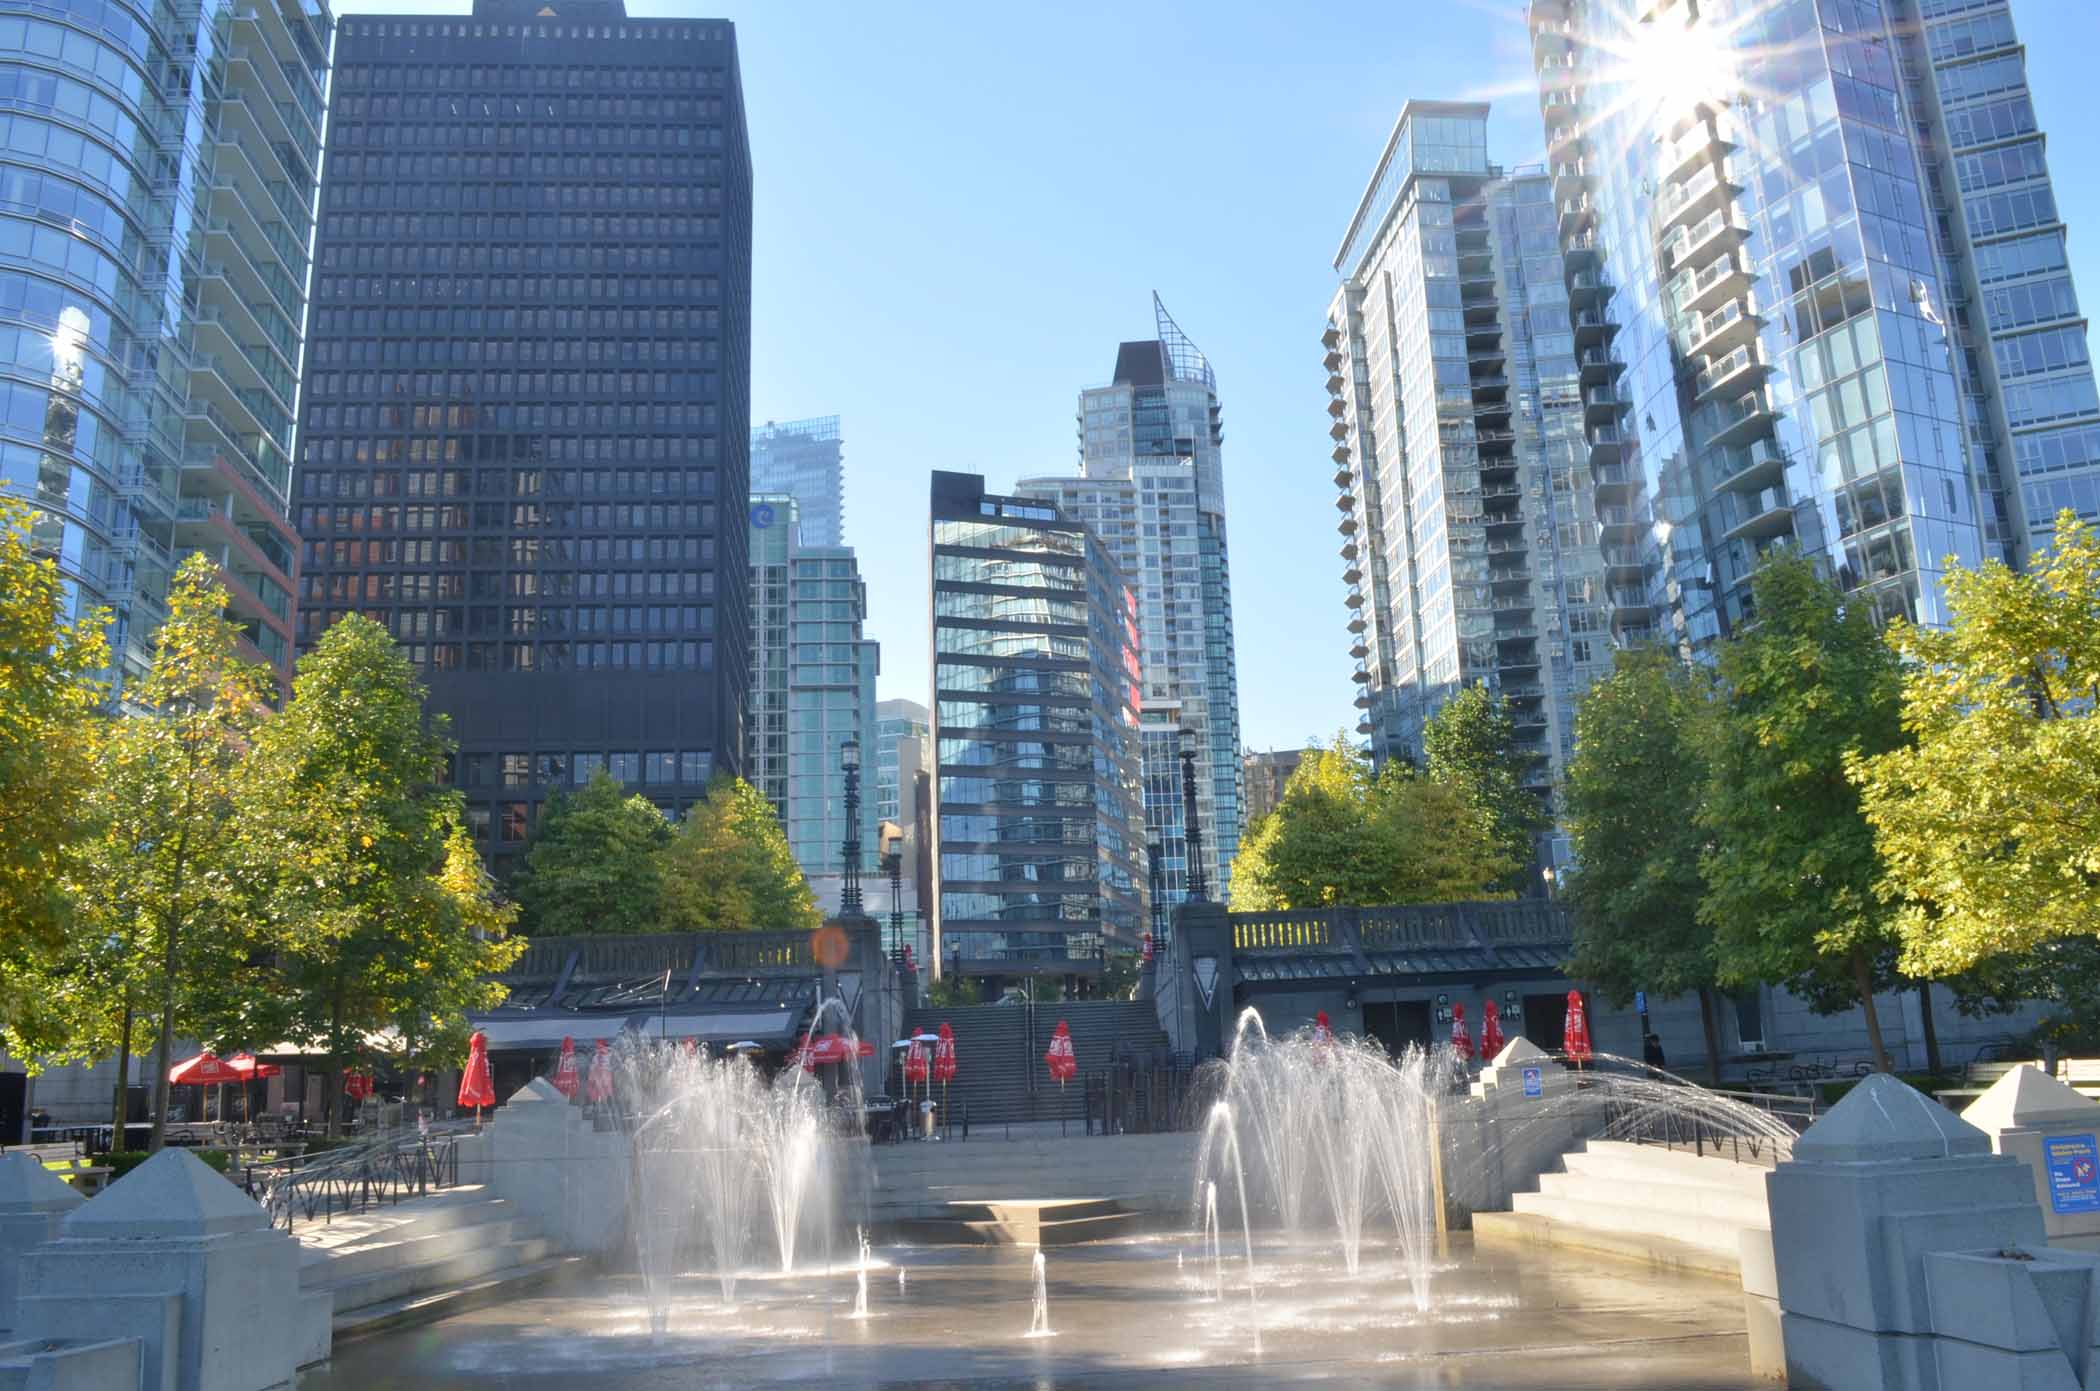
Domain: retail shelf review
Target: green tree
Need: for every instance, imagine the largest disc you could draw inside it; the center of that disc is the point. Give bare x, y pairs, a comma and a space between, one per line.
348, 809
594, 864
1988, 825
449, 956
1470, 744
728, 868
1344, 837
2064, 973
50, 726
1790, 865
1636, 788
167, 874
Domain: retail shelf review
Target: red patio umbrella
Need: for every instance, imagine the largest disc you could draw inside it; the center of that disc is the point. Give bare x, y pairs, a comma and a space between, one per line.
1461, 1041
944, 1062
1323, 1029
566, 1079
205, 1070
1575, 1035
250, 1069
598, 1087
358, 1083
1491, 1039
1063, 1063
915, 1062
476, 1088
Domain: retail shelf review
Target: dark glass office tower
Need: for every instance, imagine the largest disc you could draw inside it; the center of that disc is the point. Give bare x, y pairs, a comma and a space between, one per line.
526, 418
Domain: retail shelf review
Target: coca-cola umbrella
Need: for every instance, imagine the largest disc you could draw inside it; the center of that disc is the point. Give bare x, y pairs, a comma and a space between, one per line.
1491, 1039
357, 1083
598, 1087
476, 1088
1323, 1029
944, 1062
1575, 1034
1461, 1041
205, 1070
567, 1076
1063, 1064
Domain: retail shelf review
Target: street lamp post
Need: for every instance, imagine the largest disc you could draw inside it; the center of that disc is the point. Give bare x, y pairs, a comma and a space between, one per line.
849, 896
1192, 830
1157, 857
893, 865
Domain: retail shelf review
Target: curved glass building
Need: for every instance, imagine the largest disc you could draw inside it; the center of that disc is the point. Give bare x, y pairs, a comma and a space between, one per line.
156, 199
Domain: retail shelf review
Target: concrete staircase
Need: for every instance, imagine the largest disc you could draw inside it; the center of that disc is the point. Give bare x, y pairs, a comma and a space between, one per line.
1000, 1075
1669, 1209
423, 1257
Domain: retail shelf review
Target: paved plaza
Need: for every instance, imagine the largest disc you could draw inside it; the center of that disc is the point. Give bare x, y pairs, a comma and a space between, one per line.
1132, 1313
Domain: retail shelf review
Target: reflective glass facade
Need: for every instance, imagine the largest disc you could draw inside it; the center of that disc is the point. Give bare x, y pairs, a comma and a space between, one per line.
901, 728
156, 197
526, 424
1744, 180
2021, 339
1151, 489
1478, 544
805, 460
1038, 830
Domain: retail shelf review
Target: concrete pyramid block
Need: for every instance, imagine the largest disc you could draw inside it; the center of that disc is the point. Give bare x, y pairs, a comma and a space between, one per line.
28, 1188
537, 1092
1882, 1119
2028, 1098
173, 1194
1520, 1052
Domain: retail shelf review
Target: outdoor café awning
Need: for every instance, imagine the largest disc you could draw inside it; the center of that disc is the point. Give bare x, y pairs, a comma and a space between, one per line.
775, 1028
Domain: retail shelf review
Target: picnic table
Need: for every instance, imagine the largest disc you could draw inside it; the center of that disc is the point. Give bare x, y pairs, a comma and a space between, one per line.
69, 1160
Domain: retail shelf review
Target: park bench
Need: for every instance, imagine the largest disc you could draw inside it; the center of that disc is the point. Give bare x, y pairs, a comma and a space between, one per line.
69, 1160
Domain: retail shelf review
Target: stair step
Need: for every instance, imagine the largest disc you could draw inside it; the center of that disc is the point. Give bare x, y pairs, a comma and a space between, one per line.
350, 1262
1627, 1162
1710, 1234
407, 1281
429, 1306
1692, 1200
1658, 1253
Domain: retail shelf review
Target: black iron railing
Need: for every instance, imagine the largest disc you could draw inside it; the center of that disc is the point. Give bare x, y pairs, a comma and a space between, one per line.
356, 1178
1137, 1100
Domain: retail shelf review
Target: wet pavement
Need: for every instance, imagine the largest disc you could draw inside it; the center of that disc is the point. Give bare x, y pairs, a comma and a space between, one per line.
1135, 1313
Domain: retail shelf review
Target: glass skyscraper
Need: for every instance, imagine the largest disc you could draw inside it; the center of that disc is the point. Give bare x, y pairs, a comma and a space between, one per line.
156, 198
805, 460
1783, 284
901, 728
1038, 825
1151, 488
1479, 545
526, 429
2020, 338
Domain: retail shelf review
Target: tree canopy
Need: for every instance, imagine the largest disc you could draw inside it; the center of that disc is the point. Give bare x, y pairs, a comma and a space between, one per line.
728, 868
50, 727
1790, 865
595, 864
1344, 836
1988, 825
1470, 745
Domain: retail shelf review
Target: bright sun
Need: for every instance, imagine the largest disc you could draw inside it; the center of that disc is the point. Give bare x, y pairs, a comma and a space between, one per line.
1678, 64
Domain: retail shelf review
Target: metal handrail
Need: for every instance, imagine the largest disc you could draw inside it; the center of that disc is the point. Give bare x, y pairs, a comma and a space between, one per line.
357, 1177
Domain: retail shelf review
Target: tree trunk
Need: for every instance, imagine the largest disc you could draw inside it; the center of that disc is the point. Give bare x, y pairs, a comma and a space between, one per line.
1932, 1034
159, 1133
1863, 977
1713, 1035
120, 1104
335, 1062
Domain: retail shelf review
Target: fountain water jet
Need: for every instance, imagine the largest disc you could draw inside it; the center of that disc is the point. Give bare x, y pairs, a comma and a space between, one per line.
1039, 1321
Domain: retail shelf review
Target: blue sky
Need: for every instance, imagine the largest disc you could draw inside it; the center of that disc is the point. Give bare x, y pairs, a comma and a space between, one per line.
961, 211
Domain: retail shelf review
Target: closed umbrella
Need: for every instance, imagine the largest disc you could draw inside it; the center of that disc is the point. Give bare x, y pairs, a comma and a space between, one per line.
251, 1070
476, 1088
1491, 1039
1063, 1064
598, 1087
357, 1083
1575, 1035
567, 1076
1323, 1030
1461, 1041
944, 1062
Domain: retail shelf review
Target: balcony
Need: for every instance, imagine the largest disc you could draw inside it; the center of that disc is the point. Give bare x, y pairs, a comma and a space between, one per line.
1692, 243
1703, 290
1738, 421
1589, 289
1686, 202
1615, 479
1602, 405
1576, 214
1621, 562
1732, 324
1750, 468
1581, 252
1756, 515
1607, 442
1598, 367
1592, 329
1739, 371
1342, 476
1681, 156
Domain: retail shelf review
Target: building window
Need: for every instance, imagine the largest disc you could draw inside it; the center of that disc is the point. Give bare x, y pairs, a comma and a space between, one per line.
626, 768
516, 821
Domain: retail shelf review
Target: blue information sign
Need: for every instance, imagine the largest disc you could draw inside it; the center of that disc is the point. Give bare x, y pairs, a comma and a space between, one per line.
2073, 1162
1534, 1082
1640, 1002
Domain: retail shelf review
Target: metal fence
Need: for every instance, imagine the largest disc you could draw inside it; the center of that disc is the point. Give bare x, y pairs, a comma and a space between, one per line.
356, 1178
1138, 1100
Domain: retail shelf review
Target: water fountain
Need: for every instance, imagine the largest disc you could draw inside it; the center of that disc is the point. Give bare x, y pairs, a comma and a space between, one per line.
718, 1152
1039, 1320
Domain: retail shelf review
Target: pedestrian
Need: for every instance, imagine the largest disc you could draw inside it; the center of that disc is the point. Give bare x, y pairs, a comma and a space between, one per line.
1652, 1049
